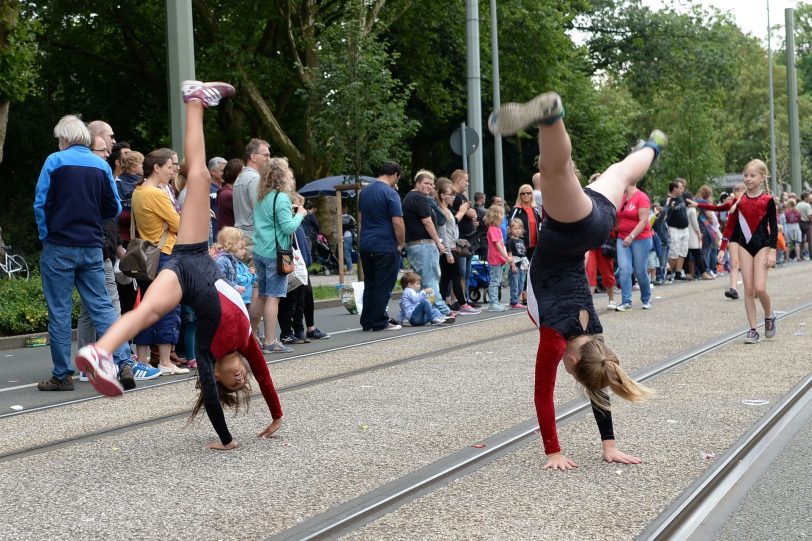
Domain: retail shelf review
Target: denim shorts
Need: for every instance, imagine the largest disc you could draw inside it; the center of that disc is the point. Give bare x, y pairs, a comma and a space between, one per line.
270, 282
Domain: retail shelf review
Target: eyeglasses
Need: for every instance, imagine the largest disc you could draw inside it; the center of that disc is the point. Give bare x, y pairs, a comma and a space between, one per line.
264, 154
526, 193
103, 149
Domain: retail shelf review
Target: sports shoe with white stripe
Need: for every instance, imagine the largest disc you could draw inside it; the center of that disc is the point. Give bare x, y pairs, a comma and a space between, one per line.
510, 118
209, 94
100, 369
144, 372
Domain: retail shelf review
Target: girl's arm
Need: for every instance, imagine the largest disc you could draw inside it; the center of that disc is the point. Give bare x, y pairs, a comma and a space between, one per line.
551, 349
253, 354
772, 222
500, 246
211, 400
724, 206
730, 226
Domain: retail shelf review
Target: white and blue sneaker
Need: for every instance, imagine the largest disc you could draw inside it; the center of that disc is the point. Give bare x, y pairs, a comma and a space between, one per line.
144, 372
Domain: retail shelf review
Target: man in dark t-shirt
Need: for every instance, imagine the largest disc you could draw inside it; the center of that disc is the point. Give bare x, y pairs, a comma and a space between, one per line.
423, 243
677, 221
467, 218
379, 244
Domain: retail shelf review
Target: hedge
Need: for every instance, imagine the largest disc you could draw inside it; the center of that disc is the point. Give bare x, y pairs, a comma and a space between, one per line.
23, 309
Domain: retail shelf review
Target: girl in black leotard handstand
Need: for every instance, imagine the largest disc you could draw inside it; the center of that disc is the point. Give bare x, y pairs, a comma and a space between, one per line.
559, 300
223, 329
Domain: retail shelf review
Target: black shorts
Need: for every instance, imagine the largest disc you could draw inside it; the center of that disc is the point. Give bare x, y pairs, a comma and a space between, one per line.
197, 272
560, 239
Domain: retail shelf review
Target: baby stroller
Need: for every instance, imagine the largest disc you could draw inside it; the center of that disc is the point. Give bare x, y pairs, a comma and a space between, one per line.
479, 280
324, 261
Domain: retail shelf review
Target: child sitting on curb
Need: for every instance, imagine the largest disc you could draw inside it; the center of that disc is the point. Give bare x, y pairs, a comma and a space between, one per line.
415, 306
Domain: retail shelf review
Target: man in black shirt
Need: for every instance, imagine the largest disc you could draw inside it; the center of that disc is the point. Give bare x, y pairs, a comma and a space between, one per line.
677, 221
423, 243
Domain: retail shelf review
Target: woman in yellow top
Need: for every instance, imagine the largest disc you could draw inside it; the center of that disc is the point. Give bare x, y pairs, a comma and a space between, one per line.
154, 213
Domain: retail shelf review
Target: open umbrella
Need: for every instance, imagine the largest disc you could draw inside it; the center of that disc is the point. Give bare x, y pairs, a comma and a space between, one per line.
327, 186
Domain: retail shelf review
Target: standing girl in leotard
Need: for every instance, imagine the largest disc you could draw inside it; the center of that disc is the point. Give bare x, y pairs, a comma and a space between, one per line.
753, 225
559, 300
223, 329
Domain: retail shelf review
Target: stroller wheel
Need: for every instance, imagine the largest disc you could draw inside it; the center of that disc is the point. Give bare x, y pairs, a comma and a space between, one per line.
473, 294
327, 271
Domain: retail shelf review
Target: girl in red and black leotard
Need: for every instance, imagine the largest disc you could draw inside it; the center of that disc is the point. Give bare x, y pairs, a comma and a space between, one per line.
728, 205
559, 299
753, 225
224, 335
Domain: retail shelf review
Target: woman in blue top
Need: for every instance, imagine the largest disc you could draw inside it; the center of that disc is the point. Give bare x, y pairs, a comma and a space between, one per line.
274, 218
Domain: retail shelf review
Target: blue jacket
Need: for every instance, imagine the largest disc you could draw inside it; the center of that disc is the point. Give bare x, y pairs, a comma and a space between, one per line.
75, 193
301, 243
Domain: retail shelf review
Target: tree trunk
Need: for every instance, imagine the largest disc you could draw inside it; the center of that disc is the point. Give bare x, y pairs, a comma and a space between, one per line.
3, 123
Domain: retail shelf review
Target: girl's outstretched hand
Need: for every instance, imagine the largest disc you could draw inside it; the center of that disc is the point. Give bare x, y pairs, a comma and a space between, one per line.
612, 454
558, 461
218, 446
721, 257
270, 429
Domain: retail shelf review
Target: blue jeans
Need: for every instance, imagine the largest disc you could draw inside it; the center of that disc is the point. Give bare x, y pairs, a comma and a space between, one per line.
495, 283
85, 331
62, 268
425, 261
348, 251
634, 259
166, 329
423, 314
516, 280
380, 273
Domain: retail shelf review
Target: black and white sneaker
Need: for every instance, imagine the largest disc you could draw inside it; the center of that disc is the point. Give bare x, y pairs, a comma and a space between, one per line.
510, 118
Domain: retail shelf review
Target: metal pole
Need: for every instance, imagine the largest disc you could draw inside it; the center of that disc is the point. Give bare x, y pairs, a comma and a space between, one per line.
180, 56
792, 98
773, 172
463, 143
474, 92
497, 100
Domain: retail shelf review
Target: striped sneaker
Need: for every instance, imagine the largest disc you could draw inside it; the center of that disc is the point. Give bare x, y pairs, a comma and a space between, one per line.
100, 369
209, 94
752, 337
510, 118
144, 372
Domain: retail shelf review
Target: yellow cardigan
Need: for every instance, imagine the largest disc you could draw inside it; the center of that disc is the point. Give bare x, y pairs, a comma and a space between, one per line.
151, 210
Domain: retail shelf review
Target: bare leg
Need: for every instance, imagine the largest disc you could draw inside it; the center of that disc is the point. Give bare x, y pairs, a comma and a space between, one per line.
747, 268
760, 280
194, 224
270, 312
162, 296
564, 198
163, 351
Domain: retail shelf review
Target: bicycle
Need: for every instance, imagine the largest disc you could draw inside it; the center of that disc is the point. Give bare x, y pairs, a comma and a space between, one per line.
13, 265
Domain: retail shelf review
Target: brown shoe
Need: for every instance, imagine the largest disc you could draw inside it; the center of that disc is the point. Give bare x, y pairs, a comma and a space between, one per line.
179, 361
55, 384
154, 356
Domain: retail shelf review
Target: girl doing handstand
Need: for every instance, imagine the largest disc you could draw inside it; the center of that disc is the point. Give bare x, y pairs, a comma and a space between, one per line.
192, 278
559, 300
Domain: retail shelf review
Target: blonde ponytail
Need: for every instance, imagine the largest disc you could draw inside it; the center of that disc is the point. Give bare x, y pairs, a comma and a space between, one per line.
599, 368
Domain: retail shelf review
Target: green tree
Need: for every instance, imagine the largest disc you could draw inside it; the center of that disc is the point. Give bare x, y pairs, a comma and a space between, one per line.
17, 53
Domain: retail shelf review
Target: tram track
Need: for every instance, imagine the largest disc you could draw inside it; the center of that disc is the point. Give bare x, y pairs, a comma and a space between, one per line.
120, 429
703, 507
357, 512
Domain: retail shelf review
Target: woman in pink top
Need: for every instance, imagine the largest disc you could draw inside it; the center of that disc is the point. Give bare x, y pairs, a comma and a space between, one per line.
633, 246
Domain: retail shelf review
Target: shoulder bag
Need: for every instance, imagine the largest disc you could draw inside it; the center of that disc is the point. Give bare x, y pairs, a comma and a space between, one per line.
284, 258
142, 257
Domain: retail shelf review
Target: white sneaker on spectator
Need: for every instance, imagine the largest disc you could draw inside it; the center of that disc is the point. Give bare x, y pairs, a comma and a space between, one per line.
497, 308
646, 306
623, 307
611, 305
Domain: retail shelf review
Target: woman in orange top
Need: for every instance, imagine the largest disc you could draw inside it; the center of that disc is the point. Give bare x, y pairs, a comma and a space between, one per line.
155, 215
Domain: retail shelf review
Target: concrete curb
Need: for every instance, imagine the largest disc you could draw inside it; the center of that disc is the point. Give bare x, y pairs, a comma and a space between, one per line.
18, 341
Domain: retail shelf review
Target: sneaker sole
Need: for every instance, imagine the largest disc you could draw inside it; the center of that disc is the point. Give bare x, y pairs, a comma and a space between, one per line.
510, 118
101, 382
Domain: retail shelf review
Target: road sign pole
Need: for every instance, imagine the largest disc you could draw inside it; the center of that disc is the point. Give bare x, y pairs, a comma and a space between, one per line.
464, 147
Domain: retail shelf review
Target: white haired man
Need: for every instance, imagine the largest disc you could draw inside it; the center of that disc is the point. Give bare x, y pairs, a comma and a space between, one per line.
75, 193
216, 167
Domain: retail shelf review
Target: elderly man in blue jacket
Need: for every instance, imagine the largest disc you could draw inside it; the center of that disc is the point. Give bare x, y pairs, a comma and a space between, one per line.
75, 193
